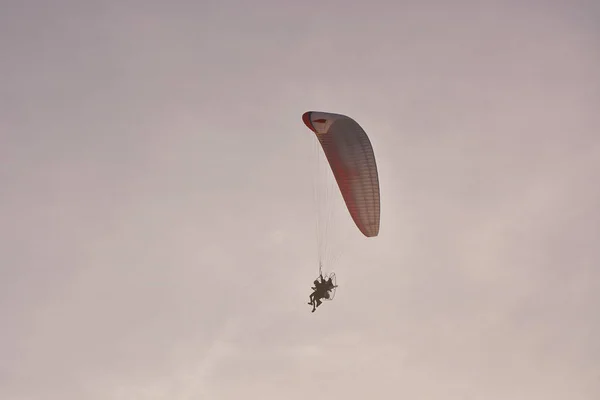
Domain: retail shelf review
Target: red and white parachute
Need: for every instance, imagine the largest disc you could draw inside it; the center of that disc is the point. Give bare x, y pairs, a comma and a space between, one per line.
351, 159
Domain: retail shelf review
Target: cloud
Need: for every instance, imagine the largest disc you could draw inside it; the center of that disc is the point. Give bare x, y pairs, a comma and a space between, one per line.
159, 225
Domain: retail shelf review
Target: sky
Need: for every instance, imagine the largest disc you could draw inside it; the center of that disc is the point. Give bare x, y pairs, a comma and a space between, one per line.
157, 235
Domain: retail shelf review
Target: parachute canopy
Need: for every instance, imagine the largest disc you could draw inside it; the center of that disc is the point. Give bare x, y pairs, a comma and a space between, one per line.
352, 161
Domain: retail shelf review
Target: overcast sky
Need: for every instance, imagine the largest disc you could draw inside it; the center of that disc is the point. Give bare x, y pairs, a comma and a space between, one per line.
157, 232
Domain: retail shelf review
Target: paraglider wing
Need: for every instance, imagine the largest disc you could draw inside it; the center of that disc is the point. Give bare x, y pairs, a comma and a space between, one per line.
351, 158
